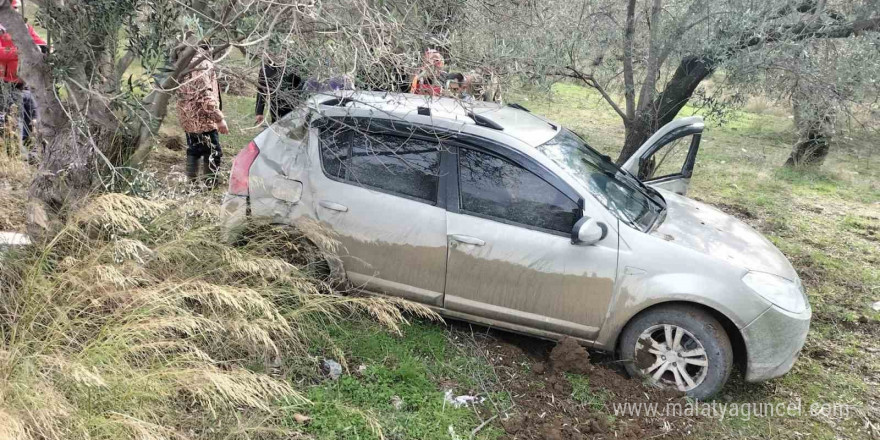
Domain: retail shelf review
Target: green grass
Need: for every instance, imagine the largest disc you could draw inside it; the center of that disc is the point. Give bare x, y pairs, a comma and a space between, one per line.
583, 393
412, 371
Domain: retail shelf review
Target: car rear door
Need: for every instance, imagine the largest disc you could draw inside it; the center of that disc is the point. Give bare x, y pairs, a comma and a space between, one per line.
666, 160
380, 191
511, 256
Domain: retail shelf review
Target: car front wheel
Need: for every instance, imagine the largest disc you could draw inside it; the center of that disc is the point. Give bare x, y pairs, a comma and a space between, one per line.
678, 347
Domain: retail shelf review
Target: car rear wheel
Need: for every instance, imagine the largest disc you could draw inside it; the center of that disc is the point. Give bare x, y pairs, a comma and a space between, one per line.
678, 347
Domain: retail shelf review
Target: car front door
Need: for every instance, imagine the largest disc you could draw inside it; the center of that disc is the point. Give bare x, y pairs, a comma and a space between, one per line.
379, 191
667, 159
511, 256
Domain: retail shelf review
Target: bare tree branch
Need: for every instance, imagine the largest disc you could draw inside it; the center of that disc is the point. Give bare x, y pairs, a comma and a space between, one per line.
590, 80
629, 85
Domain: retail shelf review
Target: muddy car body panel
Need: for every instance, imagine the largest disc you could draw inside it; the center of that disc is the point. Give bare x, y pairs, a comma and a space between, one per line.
465, 240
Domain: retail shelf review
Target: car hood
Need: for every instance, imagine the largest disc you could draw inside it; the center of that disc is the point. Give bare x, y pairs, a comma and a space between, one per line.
703, 228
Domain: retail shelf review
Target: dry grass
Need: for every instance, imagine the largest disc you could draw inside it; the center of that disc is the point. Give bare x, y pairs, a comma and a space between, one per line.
135, 321
14, 177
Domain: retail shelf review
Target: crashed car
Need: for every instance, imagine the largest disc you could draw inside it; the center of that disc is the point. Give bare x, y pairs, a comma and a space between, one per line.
494, 215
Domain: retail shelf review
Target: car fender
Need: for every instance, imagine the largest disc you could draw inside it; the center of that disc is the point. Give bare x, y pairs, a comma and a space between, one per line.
637, 292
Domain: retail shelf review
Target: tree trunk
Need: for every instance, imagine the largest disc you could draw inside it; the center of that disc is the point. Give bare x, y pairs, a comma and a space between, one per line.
69, 157
695, 68
814, 122
63, 173
810, 152
665, 107
65, 177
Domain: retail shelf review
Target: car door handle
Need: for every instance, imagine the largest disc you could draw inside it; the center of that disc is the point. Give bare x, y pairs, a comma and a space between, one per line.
467, 239
333, 206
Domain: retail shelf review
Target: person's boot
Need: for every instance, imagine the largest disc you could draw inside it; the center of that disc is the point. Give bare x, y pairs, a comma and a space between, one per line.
192, 168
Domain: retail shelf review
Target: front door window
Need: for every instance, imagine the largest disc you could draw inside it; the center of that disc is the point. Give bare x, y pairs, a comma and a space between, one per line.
495, 188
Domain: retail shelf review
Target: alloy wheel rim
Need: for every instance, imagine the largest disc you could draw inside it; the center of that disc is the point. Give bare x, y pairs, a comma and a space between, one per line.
671, 356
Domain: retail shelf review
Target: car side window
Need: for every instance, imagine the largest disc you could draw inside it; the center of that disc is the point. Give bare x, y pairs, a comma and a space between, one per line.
397, 165
494, 187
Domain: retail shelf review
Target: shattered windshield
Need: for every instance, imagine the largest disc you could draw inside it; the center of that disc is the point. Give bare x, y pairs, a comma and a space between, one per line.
621, 193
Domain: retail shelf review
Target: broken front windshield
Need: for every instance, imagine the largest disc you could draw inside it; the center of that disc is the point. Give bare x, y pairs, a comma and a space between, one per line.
623, 195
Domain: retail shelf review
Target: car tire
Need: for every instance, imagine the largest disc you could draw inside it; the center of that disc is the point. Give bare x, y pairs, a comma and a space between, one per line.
699, 365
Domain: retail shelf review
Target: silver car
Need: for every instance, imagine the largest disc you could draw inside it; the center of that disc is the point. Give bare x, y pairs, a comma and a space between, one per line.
494, 215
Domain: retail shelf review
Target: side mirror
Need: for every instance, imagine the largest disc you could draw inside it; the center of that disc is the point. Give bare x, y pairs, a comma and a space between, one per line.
588, 231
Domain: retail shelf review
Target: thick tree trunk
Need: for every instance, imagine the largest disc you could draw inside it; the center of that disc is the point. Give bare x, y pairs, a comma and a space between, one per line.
69, 158
63, 175
814, 122
64, 178
810, 152
665, 107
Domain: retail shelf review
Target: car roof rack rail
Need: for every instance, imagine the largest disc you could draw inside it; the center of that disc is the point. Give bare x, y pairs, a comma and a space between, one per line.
484, 121
518, 107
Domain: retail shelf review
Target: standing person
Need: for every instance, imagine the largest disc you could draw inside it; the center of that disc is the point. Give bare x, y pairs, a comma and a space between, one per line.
13, 90
200, 114
431, 77
280, 87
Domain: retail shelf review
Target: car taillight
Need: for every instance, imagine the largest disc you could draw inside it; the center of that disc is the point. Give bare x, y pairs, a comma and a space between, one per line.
241, 166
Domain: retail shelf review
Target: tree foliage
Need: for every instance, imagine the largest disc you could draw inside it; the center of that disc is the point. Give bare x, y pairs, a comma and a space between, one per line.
98, 117
656, 54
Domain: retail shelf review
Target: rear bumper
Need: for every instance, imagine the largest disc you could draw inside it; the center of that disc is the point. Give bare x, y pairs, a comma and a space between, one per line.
773, 341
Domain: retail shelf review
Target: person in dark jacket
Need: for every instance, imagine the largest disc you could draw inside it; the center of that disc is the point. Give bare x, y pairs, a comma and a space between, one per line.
279, 87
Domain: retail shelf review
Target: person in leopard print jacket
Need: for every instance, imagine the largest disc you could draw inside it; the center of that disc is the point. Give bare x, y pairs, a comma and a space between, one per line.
199, 109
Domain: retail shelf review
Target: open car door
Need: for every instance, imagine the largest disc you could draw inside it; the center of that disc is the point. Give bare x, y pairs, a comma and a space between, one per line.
666, 159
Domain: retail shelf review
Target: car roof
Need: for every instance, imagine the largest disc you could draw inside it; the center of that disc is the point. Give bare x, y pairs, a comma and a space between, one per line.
520, 124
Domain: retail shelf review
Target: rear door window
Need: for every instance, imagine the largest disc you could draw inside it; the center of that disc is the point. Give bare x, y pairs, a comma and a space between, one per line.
499, 189
403, 166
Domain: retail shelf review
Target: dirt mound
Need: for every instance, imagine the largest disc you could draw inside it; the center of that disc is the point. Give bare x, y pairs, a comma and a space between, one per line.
570, 357
173, 143
567, 394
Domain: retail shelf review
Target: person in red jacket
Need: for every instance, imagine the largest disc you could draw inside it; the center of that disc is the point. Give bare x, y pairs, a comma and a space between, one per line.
13, 88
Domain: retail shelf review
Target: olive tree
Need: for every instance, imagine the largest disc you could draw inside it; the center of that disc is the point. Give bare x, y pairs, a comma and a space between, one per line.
96, 117
827, 83
655, 53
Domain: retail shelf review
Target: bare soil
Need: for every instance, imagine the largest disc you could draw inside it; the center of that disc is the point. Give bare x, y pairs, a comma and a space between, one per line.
536, 374
173, 143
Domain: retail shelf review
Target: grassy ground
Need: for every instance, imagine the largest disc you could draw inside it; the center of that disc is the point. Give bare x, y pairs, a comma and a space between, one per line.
827, 222
399, 386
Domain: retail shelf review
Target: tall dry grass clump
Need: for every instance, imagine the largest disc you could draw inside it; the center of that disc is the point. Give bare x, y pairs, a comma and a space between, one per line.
136, 321
15, 175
